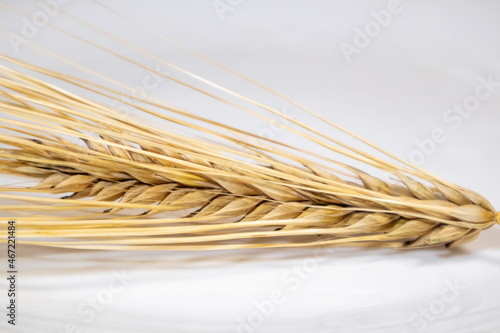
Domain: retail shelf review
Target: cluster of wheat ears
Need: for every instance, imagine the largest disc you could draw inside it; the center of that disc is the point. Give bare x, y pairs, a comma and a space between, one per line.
110, 181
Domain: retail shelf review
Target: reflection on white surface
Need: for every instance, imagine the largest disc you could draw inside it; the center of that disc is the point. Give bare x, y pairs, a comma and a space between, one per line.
352, 290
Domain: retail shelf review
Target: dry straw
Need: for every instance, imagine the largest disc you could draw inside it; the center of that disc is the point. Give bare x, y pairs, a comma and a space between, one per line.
115, 182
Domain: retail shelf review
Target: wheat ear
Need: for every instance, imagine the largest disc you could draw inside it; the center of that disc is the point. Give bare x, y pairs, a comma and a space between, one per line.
131, 185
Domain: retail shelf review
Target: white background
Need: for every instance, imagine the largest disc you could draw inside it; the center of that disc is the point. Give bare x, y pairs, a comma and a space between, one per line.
395, 92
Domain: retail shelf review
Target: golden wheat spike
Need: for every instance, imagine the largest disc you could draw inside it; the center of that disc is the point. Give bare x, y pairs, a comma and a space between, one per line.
125, 184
